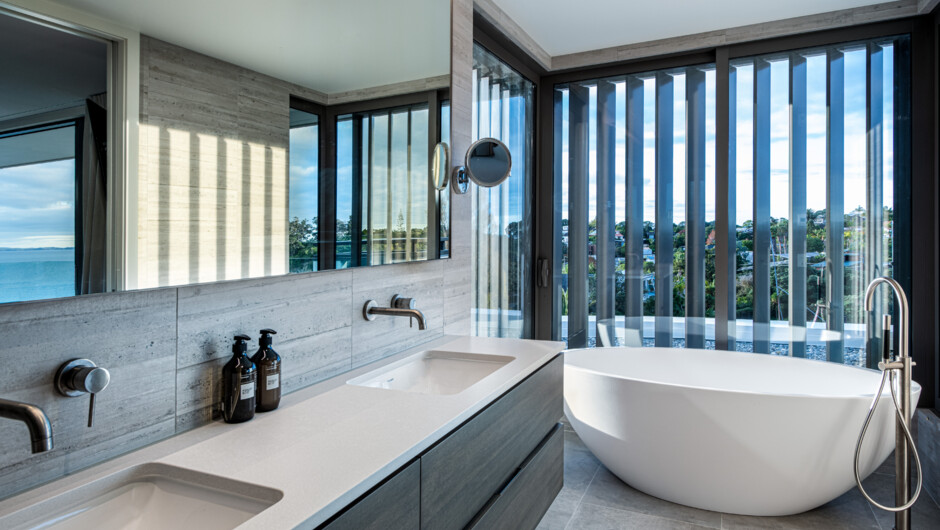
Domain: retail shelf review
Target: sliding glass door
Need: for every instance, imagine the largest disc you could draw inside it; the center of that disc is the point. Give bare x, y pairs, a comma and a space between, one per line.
501, 226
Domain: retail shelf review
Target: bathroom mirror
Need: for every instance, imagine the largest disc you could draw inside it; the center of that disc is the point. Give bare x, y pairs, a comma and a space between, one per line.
488, 162
230, 181
440, 166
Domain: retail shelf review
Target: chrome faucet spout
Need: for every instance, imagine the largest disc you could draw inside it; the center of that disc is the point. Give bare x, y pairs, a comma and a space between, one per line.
40, 430
371, 309
904, 310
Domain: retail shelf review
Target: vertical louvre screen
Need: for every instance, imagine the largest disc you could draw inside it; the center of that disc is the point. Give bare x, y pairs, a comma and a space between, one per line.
638, 208
382, 175
503, 108
807, 202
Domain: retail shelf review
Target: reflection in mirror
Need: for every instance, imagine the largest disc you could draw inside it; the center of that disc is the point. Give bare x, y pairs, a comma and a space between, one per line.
218, 179
443, 196
378, 206
488, 162
440, 164
303, 191
53, 130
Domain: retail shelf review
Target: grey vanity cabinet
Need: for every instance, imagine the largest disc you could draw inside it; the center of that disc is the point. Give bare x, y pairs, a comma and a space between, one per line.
463, 472
394, 505
500, 469
526, 498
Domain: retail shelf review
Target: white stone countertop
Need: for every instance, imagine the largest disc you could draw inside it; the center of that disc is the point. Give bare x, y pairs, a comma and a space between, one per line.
325, 445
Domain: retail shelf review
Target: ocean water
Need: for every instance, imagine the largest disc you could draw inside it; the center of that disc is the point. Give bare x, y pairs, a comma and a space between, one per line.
35, 274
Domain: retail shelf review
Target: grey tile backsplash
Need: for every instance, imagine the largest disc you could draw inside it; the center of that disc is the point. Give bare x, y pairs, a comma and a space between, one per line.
165, 349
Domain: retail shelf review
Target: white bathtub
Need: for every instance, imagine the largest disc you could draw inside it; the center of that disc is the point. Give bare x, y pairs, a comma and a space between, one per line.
726, 431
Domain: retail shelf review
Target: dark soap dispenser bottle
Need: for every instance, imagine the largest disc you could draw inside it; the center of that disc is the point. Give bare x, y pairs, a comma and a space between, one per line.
238, 381
269, 373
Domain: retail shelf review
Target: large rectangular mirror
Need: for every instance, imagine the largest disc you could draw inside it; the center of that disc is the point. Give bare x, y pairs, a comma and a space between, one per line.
269, 140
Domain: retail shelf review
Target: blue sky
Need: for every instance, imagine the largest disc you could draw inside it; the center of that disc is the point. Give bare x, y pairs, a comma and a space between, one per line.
855, 139
37, 205
304, 153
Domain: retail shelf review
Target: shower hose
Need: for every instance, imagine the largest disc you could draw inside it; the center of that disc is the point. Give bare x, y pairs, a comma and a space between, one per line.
909, 440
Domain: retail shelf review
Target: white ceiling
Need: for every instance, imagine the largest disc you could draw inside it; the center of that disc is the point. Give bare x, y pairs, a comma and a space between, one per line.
327, 45
564, 26
42, 69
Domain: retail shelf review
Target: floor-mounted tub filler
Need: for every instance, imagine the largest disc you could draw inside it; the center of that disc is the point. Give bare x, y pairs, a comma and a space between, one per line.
897, 369
727, 431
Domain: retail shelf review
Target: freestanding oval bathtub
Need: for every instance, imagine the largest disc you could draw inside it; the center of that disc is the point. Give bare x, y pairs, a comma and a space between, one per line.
731, 432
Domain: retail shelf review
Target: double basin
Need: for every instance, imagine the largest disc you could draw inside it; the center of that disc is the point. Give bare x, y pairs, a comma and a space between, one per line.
159, 496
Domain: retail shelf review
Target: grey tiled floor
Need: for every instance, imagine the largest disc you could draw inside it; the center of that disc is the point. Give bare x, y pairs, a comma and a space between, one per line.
594, 499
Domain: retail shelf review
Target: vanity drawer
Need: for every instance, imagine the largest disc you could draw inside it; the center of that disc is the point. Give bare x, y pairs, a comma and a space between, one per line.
462, 472
393, 505
525, 499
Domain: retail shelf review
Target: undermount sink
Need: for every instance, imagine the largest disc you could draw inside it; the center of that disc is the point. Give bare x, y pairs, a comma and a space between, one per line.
434, 372
149, 496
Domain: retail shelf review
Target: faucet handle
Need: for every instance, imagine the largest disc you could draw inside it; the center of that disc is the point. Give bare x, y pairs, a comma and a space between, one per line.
886, 337
89, 379
81, 376
400, 302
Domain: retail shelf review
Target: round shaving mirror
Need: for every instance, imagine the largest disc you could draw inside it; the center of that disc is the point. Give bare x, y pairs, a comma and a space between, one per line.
439, 162
488, 162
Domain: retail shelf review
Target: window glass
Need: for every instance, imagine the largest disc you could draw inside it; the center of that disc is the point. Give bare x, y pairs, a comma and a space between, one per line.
503, 108
812, 145
37, 214
304, 190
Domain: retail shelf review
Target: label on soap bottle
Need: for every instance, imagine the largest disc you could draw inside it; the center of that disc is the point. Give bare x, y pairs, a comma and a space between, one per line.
273, 381
248, 391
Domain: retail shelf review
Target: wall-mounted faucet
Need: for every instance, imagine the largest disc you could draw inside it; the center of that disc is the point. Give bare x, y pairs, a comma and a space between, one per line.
399, 307
40, 430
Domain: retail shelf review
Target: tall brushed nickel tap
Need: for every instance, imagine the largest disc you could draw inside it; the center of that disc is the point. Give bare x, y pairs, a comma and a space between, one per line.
40, 430
899, 372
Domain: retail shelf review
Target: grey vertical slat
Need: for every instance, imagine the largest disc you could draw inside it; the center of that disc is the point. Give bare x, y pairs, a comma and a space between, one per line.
478, 255
695, 209
633, 236
874, 229
835, 203
557, 144
355, 225
434, 200
902, 207
409, 244
388, 194
762, 241
502, 99
664, 216
326, 207
606, 204
726, 97
525, 187
577, 215
797, 223
370, 194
